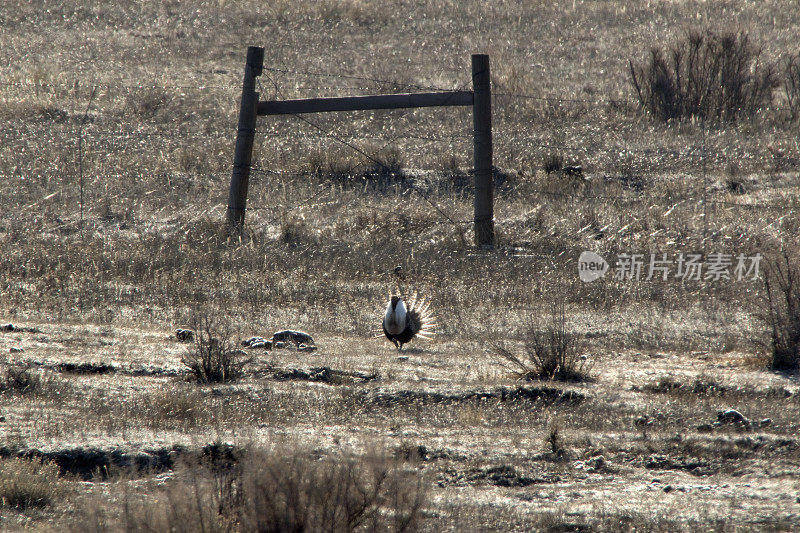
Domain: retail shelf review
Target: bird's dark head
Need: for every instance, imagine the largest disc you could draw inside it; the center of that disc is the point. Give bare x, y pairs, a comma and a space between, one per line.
395, 300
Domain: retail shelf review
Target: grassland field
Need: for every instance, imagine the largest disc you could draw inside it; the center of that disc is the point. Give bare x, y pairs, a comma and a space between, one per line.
117, 128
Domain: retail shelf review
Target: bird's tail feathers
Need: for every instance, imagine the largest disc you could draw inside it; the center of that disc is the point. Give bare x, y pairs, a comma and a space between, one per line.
423, 320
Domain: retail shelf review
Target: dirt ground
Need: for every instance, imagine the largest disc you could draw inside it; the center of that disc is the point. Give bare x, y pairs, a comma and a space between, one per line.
640, 443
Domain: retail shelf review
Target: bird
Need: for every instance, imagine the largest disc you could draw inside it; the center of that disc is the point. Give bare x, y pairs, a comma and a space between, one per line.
403, 322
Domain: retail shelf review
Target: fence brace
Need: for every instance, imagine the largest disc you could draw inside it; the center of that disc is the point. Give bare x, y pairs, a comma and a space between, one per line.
480, 98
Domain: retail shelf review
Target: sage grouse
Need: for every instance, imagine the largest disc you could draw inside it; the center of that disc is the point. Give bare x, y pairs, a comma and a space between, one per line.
402, 322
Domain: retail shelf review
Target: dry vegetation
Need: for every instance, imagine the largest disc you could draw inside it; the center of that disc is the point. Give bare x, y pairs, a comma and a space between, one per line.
707, 76
117, 122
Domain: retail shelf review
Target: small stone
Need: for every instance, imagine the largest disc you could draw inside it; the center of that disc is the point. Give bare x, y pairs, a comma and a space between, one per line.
765, 422
16, 349
254, 342
306, 348
184, 335
596, 463
732, 416
669, 488
402, 358
278, 345
2, 418
289, 335
8, 327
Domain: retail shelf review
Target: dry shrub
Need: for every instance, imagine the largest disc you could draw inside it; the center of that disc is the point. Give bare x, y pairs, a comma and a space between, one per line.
782, 283
384, 172
291, 491
452, 179
554, 440
295, 231
706, 75
214, 357
551, 350
378, 171
19, 379
335, 165
791, 83
26, 483
300, 494
553, 162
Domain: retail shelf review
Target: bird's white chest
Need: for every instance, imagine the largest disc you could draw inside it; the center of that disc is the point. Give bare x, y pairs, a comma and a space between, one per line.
395, 319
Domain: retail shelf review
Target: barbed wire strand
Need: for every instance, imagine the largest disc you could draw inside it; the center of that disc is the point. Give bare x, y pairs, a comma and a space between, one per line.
320, 75
393, 83
530, 140
75, 84
529, 192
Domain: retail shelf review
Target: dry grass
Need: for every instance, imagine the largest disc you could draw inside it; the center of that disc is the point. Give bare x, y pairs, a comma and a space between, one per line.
468, 447
278, 491
26, 483
107, 258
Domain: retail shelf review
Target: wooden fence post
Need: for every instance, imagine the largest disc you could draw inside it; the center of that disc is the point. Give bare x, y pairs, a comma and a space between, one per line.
242, 158
482, 132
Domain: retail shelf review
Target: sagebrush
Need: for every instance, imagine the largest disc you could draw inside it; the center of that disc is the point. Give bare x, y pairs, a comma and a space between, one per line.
705, 75
26, 483
791, 84
20, 379
214, 357
782, 284
281, 491
551, 350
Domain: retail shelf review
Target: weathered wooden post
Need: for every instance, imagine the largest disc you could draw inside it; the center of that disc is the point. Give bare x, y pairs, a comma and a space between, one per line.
242, 158
482, 134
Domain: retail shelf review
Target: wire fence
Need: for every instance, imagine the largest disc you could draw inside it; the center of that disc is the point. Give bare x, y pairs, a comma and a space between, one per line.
94, 138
